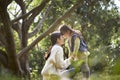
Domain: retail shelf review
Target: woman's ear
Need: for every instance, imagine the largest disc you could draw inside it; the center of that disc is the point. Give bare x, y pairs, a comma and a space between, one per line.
57, 39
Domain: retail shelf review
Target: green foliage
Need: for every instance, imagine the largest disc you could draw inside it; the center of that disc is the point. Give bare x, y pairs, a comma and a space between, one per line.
100, 24
99, 21
36, 63
36, 2
8, 76
37, 60
116, 67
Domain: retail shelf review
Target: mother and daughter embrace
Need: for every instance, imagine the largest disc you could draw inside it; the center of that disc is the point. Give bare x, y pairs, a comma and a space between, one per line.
56, 67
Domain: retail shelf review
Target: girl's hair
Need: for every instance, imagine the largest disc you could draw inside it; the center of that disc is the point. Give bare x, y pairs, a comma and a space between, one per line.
65, 28
53, 38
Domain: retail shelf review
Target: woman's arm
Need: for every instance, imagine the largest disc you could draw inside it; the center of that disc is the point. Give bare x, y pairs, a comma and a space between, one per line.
60, 62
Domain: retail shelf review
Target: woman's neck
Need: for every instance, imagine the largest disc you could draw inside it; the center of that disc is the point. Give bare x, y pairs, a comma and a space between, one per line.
58, 44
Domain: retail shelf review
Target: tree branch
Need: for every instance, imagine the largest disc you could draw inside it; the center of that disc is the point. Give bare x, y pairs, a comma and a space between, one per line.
51, 29
29, 3
40, 24
21, 17
17, 27
35, 13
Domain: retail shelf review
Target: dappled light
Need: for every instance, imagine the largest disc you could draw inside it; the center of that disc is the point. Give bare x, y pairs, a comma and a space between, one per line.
26, 27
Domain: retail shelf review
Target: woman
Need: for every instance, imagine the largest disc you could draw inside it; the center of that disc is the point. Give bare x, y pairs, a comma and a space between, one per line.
55, 64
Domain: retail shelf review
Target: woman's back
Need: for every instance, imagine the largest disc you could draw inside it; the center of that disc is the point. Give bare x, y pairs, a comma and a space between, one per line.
50, 67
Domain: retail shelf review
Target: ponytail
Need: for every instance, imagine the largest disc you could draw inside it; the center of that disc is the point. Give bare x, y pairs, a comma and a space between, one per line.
47, 54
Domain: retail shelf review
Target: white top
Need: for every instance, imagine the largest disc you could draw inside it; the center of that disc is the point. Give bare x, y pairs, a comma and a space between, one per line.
55, 64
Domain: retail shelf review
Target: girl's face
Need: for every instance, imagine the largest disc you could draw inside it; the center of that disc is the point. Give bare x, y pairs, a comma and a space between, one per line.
60, 40
66, 34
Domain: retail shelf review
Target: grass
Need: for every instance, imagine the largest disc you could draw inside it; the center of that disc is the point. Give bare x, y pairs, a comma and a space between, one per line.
8, 77
94, 76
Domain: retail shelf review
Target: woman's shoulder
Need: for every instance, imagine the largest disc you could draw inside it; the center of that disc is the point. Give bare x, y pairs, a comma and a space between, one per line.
56, 47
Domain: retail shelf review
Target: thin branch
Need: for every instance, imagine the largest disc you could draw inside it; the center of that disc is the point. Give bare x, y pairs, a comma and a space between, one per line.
17, 12
51, 29
21, 17
11, 13
15, 8
27, 14
29, 3
40, 24
35, 13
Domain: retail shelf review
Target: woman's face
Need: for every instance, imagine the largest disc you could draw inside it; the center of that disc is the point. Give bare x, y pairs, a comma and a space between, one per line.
60, 40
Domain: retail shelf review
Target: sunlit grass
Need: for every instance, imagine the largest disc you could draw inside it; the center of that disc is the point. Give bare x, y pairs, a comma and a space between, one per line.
99, 76
103, 76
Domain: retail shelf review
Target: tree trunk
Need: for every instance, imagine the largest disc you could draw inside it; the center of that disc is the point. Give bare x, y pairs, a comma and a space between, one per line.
13, 64
3, 59
24, 58
24, 35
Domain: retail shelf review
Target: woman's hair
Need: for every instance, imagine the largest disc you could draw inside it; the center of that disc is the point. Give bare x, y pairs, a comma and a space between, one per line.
65, 28
54, 36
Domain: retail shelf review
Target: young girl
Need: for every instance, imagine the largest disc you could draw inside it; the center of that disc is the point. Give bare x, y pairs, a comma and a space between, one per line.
55, 64
78, 47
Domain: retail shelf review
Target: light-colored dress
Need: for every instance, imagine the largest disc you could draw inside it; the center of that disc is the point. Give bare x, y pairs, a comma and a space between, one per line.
55, 64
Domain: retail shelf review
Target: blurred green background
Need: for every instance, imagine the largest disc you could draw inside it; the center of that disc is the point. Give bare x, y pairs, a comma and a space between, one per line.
99, 21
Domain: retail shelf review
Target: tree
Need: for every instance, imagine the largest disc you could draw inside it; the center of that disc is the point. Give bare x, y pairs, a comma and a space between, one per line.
18, 63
